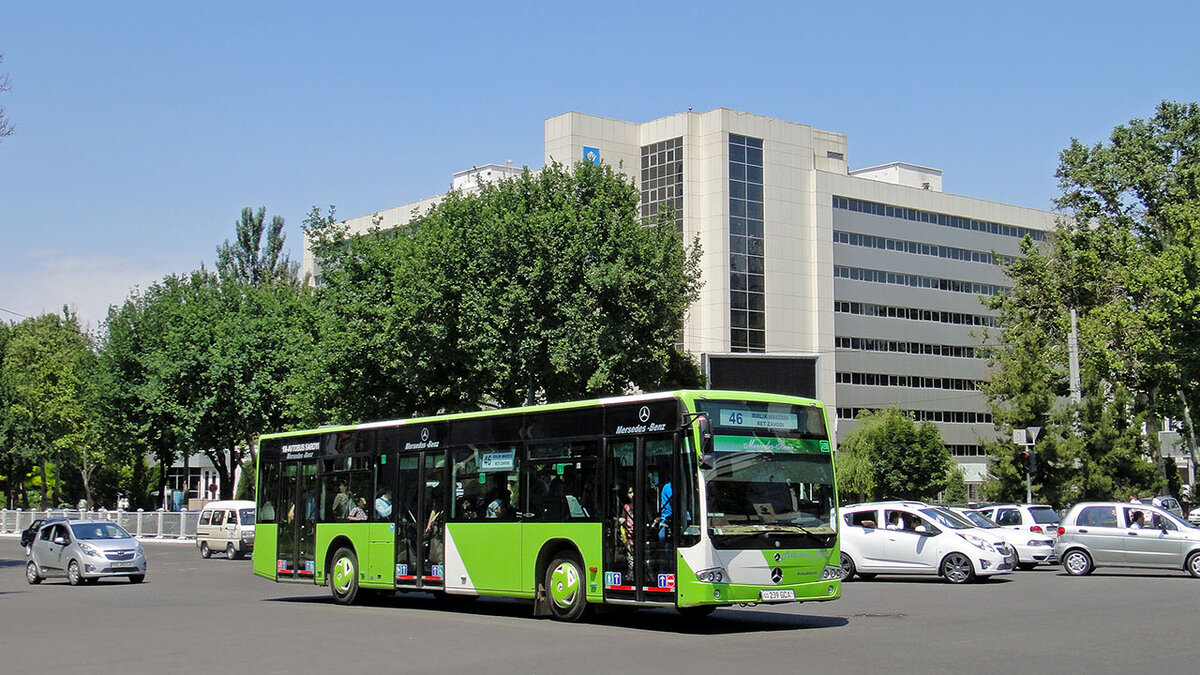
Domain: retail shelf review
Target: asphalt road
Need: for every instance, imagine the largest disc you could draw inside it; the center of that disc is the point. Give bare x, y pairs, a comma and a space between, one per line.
194, 615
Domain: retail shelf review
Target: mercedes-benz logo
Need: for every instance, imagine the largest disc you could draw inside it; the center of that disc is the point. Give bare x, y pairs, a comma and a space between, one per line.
778, 557
776, 574
424, 434
644, 413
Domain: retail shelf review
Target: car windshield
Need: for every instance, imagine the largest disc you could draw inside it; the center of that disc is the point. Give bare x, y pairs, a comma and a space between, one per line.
947, 519
92, 531
772, 474
979, 520
246, 516
1043, 515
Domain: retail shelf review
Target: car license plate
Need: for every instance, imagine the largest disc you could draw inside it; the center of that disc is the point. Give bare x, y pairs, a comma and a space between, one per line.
779, 595
124, 569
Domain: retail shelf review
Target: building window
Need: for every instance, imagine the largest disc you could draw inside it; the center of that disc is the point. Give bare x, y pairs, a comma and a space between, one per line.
747, 281
662, 179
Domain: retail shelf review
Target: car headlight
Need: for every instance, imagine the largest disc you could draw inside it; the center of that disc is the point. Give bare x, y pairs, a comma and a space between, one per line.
88, 549
977, 542
712, 575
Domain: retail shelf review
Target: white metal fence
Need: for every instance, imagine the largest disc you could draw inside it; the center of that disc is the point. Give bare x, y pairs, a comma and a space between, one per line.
141, 524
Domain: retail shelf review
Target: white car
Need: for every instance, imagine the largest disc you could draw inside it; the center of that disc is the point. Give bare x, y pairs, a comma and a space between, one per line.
1036, 518
1194, 516
917, 538
1031, 548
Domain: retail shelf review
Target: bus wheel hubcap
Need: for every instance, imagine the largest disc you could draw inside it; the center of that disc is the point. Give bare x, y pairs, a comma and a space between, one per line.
343, 574
564, 585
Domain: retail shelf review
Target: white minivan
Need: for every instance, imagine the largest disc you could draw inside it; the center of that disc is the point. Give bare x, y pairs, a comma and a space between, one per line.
226, 526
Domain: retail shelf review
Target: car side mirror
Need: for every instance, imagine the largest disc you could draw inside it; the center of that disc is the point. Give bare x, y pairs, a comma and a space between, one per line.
869, 524
61, 541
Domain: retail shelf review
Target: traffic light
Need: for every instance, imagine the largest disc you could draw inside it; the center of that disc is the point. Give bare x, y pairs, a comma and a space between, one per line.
1029, 459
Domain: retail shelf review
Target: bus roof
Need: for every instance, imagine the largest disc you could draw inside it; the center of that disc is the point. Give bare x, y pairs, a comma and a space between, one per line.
682, 394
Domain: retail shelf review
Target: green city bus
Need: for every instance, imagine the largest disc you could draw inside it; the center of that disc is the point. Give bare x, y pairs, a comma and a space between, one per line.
689, 499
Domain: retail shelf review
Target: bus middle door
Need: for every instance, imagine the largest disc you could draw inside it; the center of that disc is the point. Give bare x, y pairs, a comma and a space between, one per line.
639, 534
298, 523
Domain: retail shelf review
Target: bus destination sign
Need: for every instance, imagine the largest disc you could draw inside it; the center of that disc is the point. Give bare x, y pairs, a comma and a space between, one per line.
756, 419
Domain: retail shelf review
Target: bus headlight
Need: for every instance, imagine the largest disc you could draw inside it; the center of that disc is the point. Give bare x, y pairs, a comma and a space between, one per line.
712, 575
831, 572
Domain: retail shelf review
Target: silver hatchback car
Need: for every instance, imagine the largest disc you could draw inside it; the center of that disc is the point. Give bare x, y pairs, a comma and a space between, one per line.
1121, 534
85, 551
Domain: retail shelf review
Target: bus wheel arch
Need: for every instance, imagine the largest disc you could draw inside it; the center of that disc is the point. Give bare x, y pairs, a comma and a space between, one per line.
558, 560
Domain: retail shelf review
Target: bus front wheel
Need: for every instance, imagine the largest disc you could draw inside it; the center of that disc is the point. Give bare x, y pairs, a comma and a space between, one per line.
564, 587
343, 576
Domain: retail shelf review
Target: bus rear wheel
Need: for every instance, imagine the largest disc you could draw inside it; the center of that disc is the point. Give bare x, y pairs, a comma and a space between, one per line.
564, 587
343, 576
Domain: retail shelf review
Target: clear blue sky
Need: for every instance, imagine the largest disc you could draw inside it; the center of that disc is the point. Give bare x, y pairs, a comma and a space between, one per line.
143, 128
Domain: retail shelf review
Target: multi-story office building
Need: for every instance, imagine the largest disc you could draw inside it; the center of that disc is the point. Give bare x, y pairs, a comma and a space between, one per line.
867, 281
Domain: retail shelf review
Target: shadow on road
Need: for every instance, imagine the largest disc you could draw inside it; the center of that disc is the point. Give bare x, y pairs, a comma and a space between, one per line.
730, 621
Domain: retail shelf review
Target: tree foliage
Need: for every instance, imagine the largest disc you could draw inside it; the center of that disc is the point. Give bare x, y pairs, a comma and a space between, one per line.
908, 460
1128, 260
545, 287
48, 378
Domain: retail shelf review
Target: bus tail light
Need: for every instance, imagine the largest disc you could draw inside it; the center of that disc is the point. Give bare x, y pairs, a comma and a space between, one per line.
712, 575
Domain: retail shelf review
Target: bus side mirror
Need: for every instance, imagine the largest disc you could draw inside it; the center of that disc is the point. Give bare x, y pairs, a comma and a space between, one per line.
704, 426
708, 462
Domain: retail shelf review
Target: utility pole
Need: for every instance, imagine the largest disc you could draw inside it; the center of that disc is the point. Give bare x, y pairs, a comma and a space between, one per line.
1073, 358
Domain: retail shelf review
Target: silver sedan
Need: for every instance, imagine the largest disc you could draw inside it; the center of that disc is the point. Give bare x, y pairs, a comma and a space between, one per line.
84, 551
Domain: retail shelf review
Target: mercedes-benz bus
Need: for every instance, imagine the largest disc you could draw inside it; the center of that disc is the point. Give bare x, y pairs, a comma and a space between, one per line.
689, 499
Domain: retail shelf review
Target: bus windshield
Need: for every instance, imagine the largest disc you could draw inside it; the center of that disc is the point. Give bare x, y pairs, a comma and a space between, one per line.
772, 480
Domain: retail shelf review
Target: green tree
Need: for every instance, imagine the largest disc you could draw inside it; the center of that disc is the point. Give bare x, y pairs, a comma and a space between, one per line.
48, 374
855, 474
1128, 260
250, 258
545, 287
909, 460
956, 487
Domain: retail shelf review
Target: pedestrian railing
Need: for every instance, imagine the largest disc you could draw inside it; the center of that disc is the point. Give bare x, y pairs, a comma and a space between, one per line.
141, 524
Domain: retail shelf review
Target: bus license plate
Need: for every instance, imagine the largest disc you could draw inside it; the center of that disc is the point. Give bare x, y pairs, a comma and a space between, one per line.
778, 595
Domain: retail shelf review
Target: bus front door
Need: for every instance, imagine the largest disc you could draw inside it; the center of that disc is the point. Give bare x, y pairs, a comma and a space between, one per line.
639, 537
298, 524
420, 529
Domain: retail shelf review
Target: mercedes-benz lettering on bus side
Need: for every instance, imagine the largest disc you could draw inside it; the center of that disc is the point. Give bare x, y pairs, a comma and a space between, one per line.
694, 499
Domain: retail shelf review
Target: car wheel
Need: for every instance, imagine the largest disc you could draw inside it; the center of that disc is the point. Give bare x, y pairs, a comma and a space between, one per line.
343, 576
564, 588
847, 567
231, 552
1193, 564
74, 576
957, 568
137, 578
31, 574
1077, 563
1026, 566
205, 551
